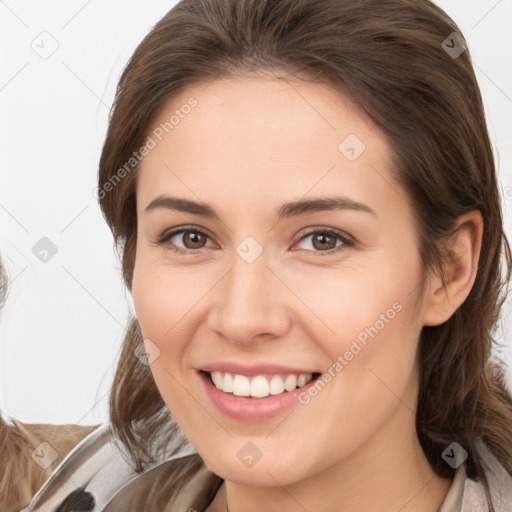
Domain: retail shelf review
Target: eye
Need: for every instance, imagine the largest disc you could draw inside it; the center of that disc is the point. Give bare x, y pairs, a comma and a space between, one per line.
325, 241
192, 238
322, 241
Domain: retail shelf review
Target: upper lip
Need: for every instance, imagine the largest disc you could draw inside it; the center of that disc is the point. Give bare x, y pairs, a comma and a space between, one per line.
253, 370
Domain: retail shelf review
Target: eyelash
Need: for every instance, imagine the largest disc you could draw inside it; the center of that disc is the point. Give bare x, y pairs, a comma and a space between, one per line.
347, 242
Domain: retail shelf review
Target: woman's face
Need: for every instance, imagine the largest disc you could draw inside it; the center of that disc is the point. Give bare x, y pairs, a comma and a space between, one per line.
266, 284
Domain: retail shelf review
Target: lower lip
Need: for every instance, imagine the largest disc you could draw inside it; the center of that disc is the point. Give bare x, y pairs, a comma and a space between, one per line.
251, 409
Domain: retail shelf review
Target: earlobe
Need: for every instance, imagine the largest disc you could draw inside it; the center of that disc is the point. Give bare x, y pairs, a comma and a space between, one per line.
461, 256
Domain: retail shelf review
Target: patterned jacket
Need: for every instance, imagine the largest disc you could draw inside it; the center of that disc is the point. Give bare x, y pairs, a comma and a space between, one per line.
97, 476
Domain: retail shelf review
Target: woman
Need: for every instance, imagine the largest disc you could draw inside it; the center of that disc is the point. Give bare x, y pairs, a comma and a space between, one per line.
305, 198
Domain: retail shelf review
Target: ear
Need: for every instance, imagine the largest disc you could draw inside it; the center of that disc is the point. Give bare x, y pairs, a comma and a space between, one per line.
460, 268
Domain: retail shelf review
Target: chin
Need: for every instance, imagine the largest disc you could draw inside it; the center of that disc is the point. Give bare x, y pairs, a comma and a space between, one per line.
266, 472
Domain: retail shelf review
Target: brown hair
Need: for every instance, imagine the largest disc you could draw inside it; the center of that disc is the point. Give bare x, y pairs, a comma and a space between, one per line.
388, 57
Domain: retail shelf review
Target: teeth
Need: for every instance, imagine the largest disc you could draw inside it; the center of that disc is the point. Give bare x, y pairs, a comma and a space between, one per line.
217, 379
276, 385
227, 385
241, 386
290, 383
259, 386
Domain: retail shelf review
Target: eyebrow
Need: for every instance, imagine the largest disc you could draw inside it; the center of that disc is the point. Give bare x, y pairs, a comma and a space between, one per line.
287, 210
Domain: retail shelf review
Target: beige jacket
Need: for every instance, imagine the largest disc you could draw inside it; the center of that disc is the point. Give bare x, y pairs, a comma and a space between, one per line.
22, 472
97, 475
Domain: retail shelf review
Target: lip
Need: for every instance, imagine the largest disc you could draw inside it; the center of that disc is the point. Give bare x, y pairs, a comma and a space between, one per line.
252, 409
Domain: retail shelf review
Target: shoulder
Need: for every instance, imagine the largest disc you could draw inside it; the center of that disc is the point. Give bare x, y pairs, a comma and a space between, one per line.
467, 493
500, 483
29, 454
97, 473
80, 463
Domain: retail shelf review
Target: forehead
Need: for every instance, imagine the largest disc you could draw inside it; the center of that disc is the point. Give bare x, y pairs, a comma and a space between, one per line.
255, 138
279, 110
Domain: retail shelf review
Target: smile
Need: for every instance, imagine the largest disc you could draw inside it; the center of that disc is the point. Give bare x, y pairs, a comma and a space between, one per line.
258, 386
255, 392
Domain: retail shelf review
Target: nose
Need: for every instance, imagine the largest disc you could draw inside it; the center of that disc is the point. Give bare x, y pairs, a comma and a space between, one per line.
250, 304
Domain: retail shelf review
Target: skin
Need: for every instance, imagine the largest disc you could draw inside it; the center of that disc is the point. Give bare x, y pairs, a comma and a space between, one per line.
251, 144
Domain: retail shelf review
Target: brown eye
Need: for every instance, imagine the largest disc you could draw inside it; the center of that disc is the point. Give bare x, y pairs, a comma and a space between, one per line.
324, 242
193, 239
184, 239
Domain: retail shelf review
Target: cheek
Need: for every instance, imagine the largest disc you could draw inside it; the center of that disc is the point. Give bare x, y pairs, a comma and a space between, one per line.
370, 381
161, 306
371, 341
356, 307
169, 303
162, 298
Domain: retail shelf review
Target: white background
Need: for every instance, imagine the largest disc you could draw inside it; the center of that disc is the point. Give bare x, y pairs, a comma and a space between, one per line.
63, 324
